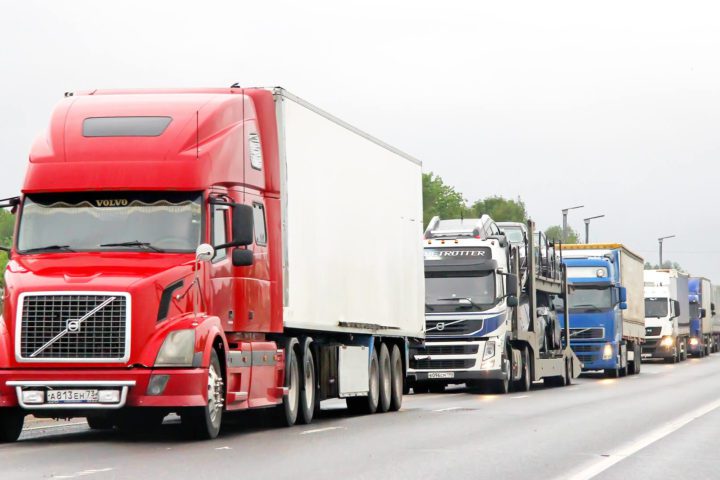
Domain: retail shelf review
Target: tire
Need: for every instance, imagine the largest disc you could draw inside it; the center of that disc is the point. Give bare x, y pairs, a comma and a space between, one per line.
308, 388
398, 379
11, 424
523, 384
286, 414
684, 352
203, 423
385, 373
634, 366
502, 386
568, 372
368, 404
101, 422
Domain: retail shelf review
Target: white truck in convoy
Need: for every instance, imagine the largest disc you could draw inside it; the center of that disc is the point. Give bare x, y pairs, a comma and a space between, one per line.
667, 315
490, 318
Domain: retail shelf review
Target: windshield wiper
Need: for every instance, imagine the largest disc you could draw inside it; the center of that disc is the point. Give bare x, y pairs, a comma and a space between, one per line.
132, 243
587, 305
467, 299
65, 248
429, 307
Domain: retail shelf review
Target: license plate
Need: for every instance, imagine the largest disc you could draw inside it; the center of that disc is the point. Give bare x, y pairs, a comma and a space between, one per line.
646, 355
72, 396
441, 375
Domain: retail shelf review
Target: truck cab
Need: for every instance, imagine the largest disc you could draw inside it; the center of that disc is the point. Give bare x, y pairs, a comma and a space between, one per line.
667, 321
602, 334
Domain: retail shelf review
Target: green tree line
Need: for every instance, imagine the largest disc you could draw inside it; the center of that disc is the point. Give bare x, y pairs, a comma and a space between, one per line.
445, 201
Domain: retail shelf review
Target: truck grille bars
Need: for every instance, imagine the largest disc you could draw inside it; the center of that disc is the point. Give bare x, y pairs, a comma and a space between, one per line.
73, 327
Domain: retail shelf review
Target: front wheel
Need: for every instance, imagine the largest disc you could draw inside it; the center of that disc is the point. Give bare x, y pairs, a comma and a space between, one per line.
287, 412
11, 424
204, 422
523, 384
309, 391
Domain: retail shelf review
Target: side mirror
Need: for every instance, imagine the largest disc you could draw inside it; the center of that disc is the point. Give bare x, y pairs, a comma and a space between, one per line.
622, 291
242, 257
623, 305
676, 305
511, 281
204, 252
512, 301
703, 313
242, 225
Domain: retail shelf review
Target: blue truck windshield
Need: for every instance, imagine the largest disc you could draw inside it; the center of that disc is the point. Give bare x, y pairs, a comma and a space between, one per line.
460, 290
584, 299
656, 307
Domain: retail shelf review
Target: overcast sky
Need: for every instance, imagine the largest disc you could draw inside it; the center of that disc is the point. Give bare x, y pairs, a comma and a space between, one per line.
612, 105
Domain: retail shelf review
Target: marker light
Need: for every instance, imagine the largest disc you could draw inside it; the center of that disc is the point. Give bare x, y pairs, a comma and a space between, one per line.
601, 272
109, 396
33, 397
607, 352
694, 341
666, 342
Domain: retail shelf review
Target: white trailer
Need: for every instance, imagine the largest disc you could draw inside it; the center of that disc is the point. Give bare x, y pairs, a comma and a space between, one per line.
667, 315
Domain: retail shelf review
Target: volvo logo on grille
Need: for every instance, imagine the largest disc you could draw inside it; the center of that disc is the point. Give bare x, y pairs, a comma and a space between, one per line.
73, 326
440, 326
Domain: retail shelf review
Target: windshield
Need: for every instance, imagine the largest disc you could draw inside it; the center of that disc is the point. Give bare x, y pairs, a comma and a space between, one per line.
514, 234
586, 299
695, 310
656, 307
99, 221
460, 290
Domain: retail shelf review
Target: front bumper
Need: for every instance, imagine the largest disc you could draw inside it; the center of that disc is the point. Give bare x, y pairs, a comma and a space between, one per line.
652, 349
590, 355
450, 376
184, 387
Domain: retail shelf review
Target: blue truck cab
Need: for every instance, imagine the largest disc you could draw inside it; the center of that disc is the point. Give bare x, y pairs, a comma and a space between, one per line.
701, 322
607, 307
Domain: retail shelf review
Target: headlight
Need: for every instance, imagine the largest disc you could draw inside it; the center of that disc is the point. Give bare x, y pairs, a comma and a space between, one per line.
694, 341
666, 342
177, 350
607, 352
489, 350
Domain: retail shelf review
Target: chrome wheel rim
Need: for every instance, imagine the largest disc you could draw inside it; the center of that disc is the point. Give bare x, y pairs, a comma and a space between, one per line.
215, 395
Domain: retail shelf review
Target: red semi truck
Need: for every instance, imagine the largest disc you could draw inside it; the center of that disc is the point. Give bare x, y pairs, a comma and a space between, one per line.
208, 250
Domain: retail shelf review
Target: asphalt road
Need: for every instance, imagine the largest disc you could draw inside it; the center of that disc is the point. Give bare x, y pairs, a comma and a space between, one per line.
664, 423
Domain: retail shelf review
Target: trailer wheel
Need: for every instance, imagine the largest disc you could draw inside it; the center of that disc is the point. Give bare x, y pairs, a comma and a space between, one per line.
568, 372
398, 379
11, 424
204, 422
385, 365
308, 394
523, 384
368, 404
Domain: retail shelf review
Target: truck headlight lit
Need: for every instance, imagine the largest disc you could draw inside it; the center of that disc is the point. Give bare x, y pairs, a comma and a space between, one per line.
489, 350
607, 351
177, 350
694, 342
666, 342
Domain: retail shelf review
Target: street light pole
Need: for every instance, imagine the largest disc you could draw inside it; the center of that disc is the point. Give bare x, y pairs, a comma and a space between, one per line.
587, 226
565, 225
660, 243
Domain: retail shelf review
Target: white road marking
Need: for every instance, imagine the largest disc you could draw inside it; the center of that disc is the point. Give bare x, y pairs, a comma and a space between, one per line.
319, 430
49, 427
84, 473
519, 396
641, 442
449, 409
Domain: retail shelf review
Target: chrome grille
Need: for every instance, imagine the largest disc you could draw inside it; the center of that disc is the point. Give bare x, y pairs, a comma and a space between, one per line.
653, 331
441, 364
103, 336
439, 328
